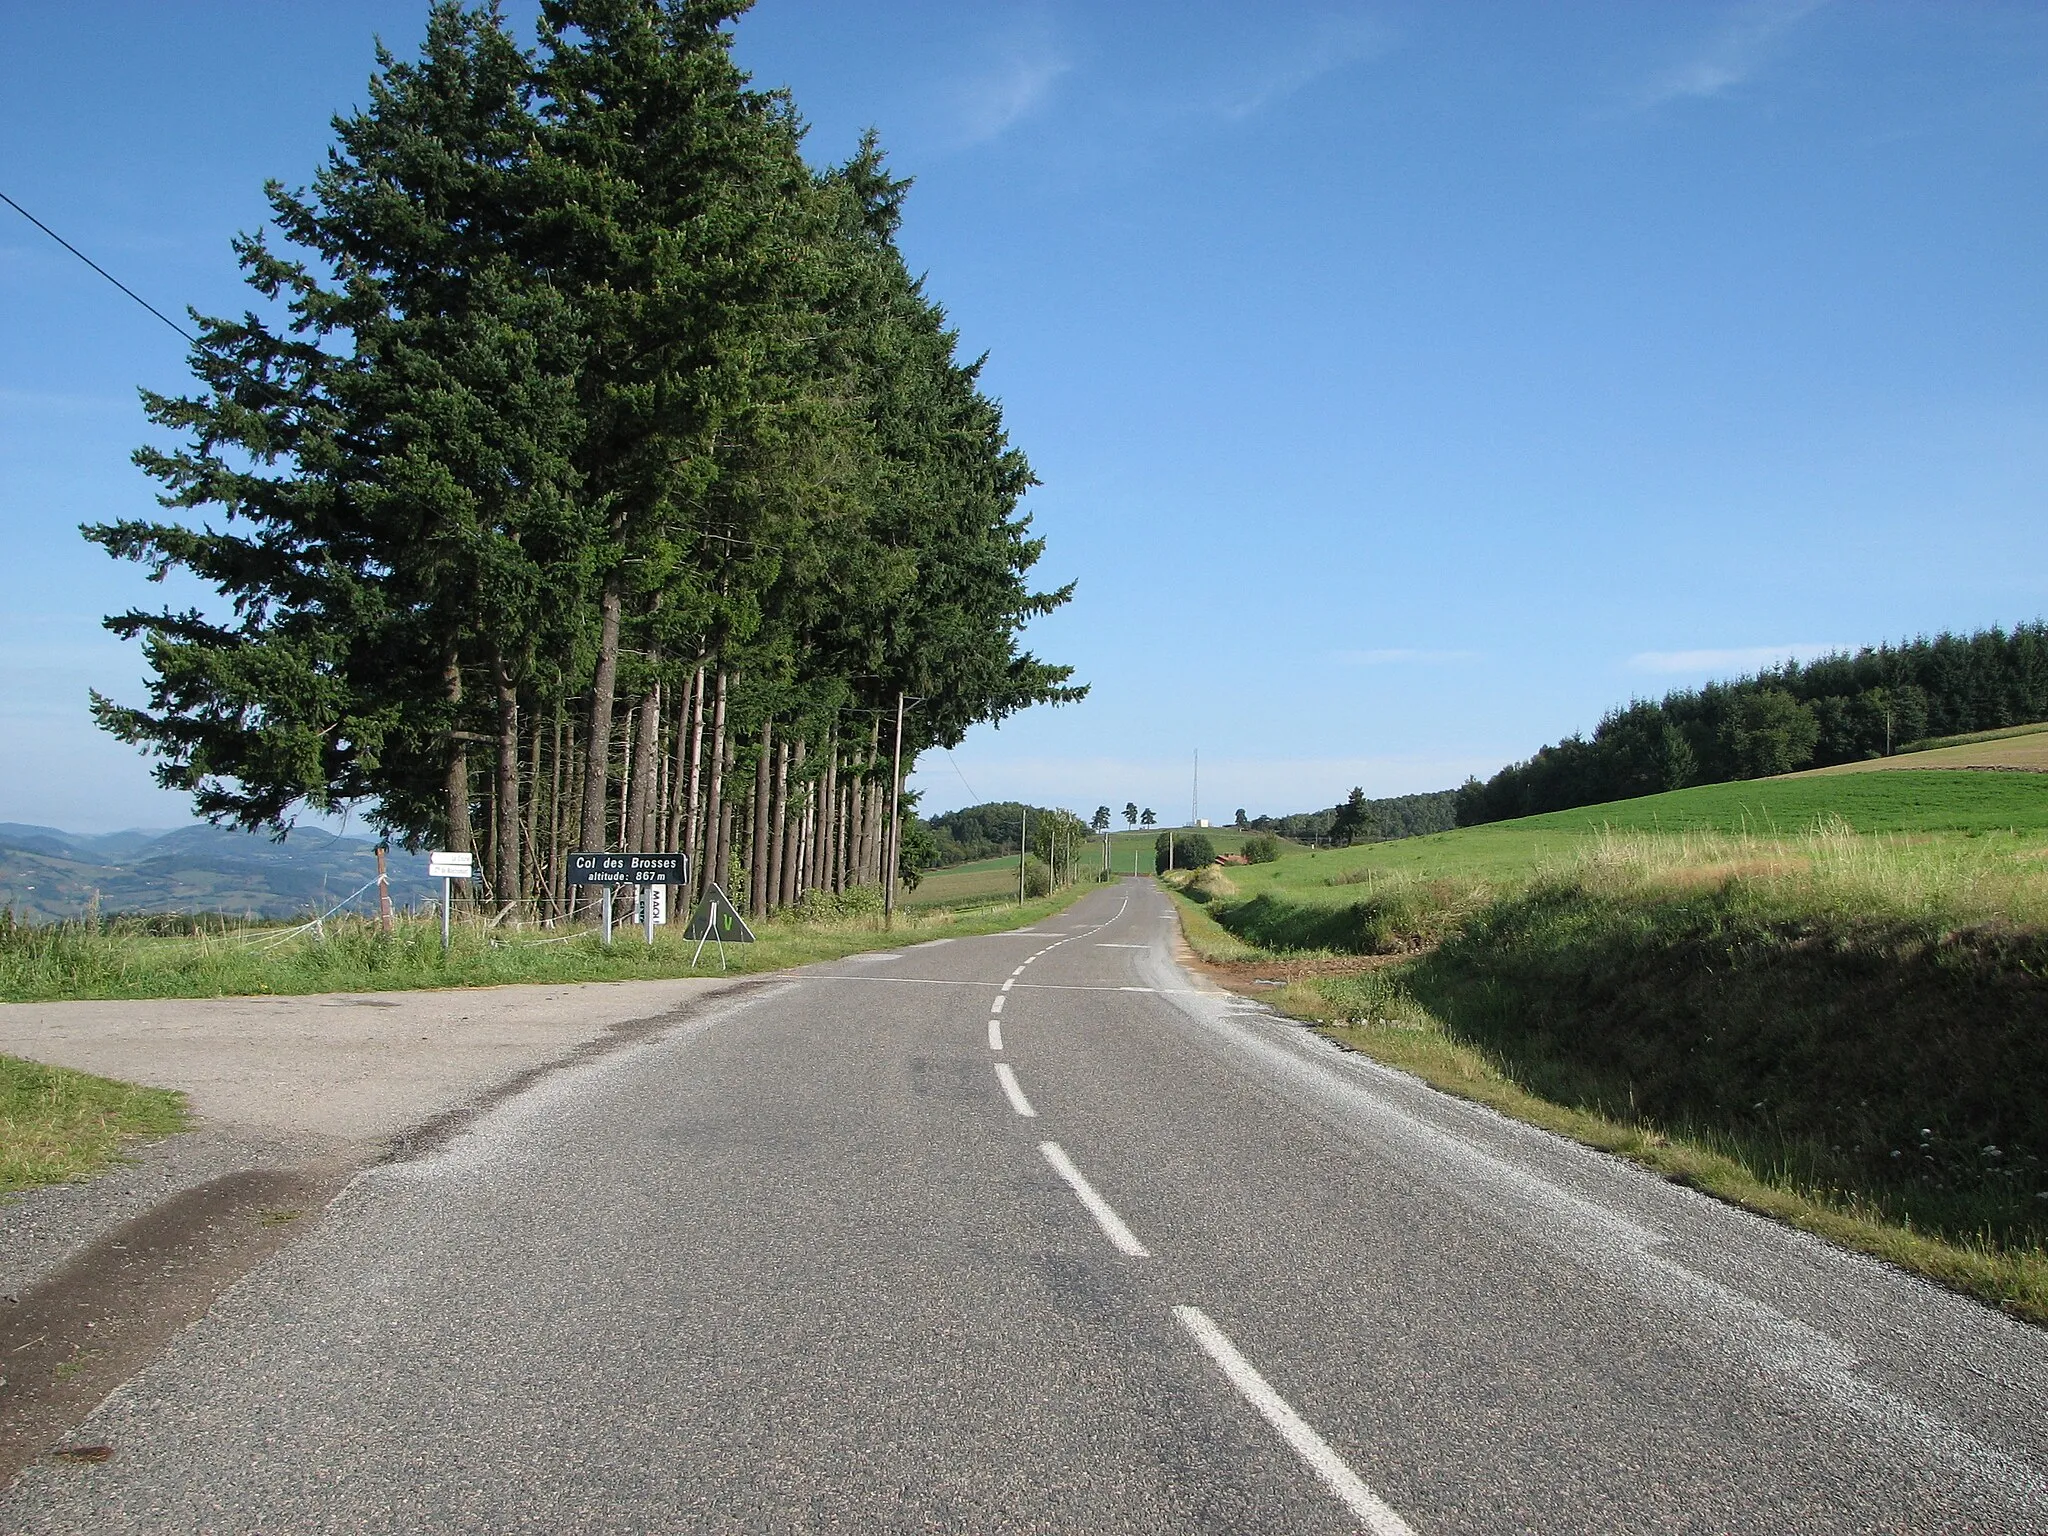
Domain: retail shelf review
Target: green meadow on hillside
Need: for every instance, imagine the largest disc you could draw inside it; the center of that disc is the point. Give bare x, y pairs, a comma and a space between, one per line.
1826, 998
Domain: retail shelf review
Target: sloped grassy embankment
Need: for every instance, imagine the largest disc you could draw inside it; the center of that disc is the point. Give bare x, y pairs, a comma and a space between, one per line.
1845, 1030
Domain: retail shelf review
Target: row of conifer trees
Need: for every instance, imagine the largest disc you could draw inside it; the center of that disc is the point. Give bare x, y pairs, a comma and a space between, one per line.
1835, 709
595, 475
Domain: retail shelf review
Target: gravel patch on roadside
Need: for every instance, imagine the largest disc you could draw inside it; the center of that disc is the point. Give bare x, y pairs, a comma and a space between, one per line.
42, 1229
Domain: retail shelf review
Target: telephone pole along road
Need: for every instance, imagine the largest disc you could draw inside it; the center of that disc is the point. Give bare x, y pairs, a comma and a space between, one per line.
1029, 1233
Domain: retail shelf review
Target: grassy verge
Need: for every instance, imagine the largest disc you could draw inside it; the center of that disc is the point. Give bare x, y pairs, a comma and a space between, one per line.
1846, 1033
76, 960
58, 1125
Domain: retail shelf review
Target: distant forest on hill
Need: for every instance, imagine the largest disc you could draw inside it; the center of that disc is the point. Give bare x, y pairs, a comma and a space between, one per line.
1838, 709
1382, 820
986, 831
979, 831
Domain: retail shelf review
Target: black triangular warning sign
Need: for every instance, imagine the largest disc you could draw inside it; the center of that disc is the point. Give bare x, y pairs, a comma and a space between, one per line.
718, 919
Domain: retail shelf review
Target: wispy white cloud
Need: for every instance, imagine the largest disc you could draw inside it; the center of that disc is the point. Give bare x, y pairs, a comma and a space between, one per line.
1746, 658
1398, 656
1732, 55
1017, 80
1333, 44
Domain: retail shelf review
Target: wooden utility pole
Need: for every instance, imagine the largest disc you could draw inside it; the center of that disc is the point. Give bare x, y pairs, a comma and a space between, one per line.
383, 892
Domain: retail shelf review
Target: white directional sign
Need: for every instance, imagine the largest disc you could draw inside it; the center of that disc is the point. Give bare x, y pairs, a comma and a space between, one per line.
451, 866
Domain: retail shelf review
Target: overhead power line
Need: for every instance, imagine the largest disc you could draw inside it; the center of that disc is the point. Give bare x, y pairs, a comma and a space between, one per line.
103, 272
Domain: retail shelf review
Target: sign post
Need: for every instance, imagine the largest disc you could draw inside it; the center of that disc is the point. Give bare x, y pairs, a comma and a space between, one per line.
609, 871
449, 868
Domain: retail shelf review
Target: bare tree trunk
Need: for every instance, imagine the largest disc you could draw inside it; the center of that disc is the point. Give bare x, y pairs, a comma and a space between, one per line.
598, 748
682, 775
757, 866
812, 819
455, 810
778, 829
793, 853
820, 866
687, 841
842, 837
878, 831
861, 830
715, 835
554, 893
641, 800
725, 821
505, 833
535, 867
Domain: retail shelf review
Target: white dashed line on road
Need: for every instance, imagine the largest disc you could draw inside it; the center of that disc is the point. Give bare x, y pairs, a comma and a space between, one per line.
1009, 984
996, 1003
1104, 1213
1010, 1089
1336, 1474
995, 1034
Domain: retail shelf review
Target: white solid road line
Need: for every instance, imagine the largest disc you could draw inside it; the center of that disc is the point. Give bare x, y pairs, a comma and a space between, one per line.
1336, 1474
1105, 1214
1016, 1095
995, 1034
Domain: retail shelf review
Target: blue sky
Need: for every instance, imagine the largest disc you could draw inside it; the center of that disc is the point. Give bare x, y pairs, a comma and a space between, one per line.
1410, 383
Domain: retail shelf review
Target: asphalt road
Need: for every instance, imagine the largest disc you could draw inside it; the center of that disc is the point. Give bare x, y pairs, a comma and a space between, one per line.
1026, 1233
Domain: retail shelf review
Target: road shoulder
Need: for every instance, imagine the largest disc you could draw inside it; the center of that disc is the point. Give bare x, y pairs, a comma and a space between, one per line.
290, 1098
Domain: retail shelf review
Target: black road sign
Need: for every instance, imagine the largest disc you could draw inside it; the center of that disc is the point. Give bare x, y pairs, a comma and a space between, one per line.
628, 869
717, 918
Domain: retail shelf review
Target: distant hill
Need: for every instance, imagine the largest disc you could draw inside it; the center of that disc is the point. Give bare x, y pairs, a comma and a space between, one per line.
47, 874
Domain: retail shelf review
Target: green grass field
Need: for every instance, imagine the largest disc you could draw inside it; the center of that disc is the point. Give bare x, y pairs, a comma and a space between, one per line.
58, 1125
1822, 998
1130, 853
75, 960
2002, 809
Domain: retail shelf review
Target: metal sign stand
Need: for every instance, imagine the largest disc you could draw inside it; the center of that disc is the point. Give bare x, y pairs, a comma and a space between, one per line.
609, 871
451, 867
716, 917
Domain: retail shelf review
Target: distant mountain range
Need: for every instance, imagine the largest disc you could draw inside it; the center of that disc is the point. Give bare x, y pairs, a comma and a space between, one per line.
47, 874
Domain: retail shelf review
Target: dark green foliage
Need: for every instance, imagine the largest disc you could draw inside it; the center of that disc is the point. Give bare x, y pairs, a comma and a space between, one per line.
1263, 848
1353, 822
1770, 732
1888, 1057
1839, 709
1394, 817
918, 852
980, 831
1182, 850
573, 377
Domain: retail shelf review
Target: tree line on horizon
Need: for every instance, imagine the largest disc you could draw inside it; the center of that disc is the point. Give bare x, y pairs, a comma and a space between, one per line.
1361, 819
1841, 708
596, 475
